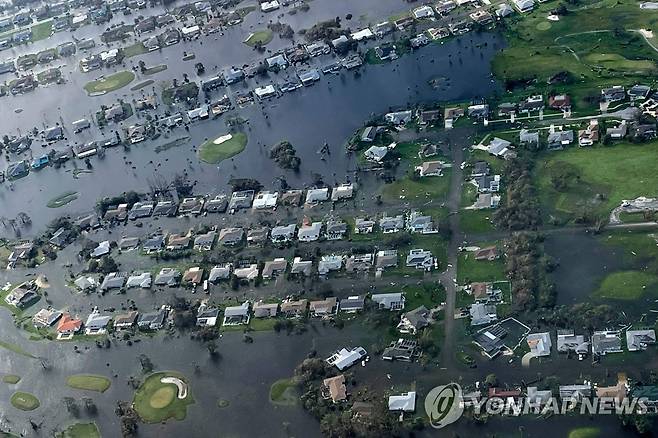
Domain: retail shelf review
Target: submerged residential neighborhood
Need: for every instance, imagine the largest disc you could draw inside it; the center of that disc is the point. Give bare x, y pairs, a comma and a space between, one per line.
345, 218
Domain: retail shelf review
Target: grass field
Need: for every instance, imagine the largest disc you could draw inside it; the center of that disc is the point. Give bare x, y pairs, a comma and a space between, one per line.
110, 83
89, 382
284, 392
134, 50
24, 401
585, 432
602, 178
156, 402
16, 349
418, 190
212, 153
626, 285
12, 379
62, 200
261, 37
80, 430
470, 270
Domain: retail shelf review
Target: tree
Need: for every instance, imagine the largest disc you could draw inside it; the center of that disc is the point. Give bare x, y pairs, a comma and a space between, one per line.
145, 362
71, 406
90, 406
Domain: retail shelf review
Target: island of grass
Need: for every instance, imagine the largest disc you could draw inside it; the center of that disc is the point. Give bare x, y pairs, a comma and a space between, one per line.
223, 147
626, 285
24, 401
62, 200
141, 85
80, 430
155, 69
284, 392
585, 432
12, 379
89, 382
259, 38
162, 396
109, 83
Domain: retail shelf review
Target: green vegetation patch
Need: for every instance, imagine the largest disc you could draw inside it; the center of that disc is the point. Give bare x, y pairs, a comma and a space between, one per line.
625, 285
413, 188
62, 200
15, 348
42, 31
156, 401
134, 50
141, 85
24, 401
222, 148
89, 382
470, 270
12, 379
81, 430
585, 432
259, 38
284, 392
110, 83
155, 69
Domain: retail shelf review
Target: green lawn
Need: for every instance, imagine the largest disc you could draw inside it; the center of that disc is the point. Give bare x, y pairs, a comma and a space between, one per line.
470, 270
601, 178
284, 392
476, 221
625, 285
16, 349
12, 379
24, 401
110, 83
585, 432
212, 153
151, 404
418, 190
89, 382
262, 37
426, 294
42, 31
134, 50
62, 199
80, 430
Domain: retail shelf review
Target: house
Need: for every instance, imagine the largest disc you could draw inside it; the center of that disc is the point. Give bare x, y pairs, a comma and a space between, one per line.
142, 280
291, 198
387, 259
303, 267
330, 263
404, 22
233, 75
484, 292
385, 53
53, 134
428, 117
560, 102
102, 249
638, 340
575, 392
152, 320
265, 310
417, 223
308, 76
154, 244
294, 309
265, 200
391, 224
46, 317
136, 133
489, 253
219, 272
114, 280
206, 316
333, 388
273, 268
430, 168
359, 262
324, 308
617, 132
423, 12
85, 283
399, 117
178, 242
230, 236
190, 32
248, 272
500, 148
559, 139
344, 358
191, 206
269, 6
236, 315
204, 242
539, 344
200, 113
96, 323
413, 321
309, 233
125, 320
376, 154
165, 208
486, 200
167, 277
218, 204
257, 236
528, 138
450, 115
506, 109
479, 111
524, 6
487, 183
140, 210
482, 314
315, 196
420, 259
68, 326
241, 199
402, 349
193, 275
638, 92
17, 170
369, 134
363, 226
352, 304
605, 342
589, 135
438, 33
342, 191
613, 94
283, 233
405, 402
392, 301
532, 103
335, 229
60, 238
567, 341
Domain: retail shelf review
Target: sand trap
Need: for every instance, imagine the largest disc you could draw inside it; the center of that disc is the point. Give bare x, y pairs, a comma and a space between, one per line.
223, 139
553, 18
180, 385
646, 33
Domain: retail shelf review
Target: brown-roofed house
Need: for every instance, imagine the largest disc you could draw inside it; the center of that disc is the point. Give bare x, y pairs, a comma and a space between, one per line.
334, 388
294, 308
68, 325
489, 253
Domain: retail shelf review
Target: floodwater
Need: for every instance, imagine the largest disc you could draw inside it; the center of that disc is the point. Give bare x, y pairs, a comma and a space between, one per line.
328, 112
